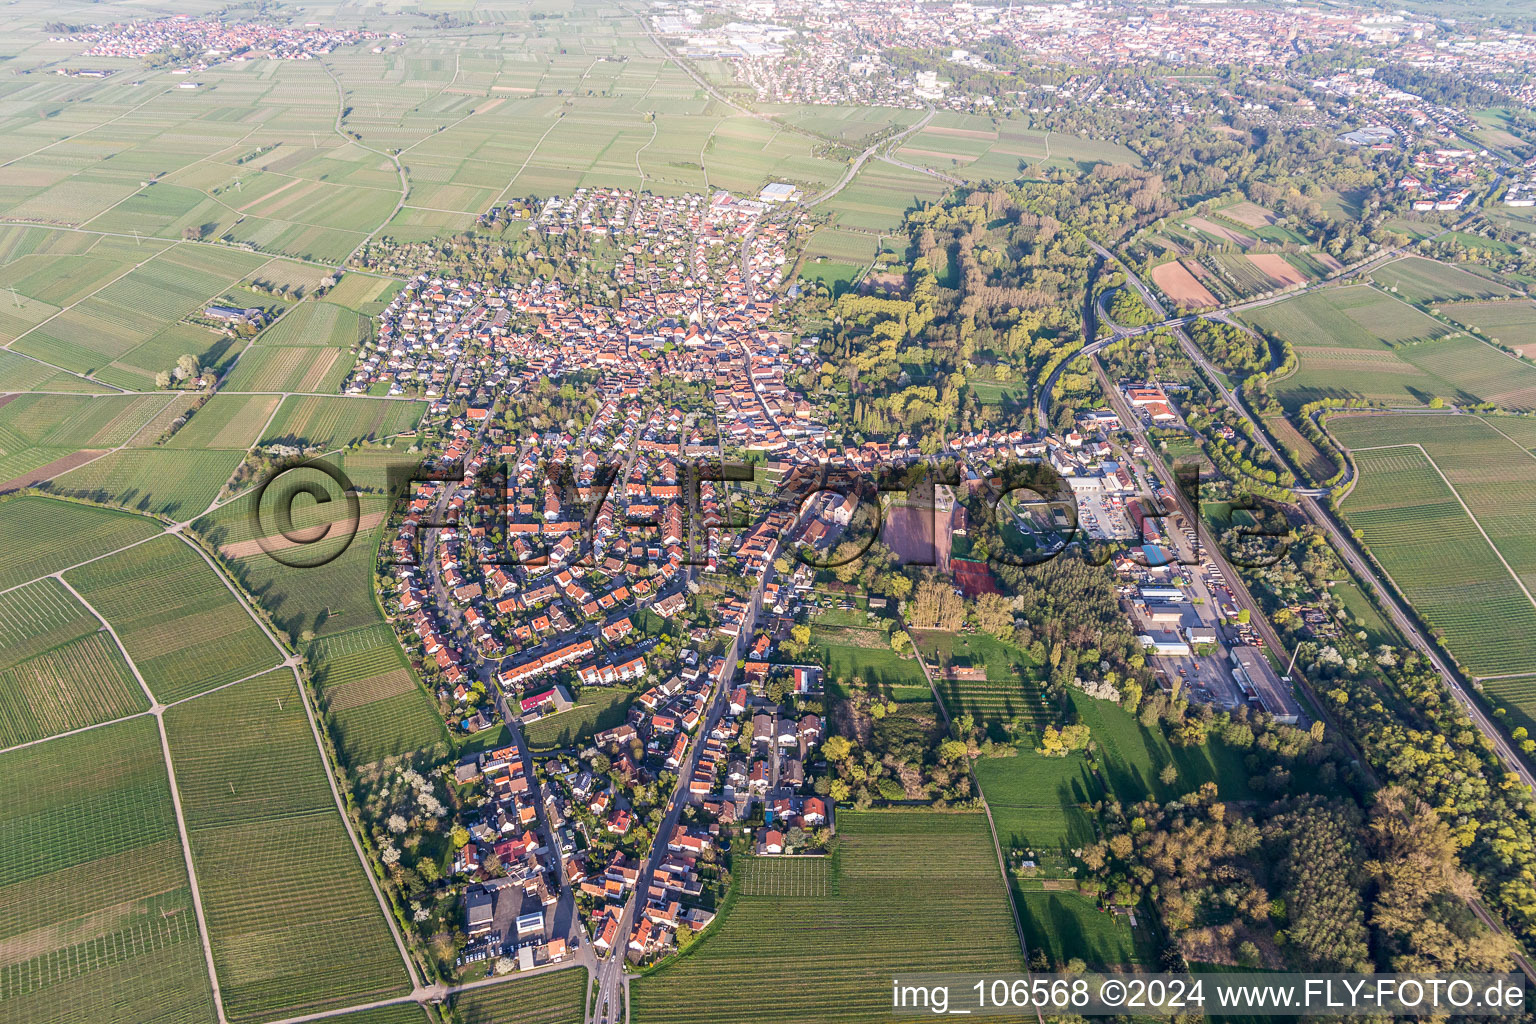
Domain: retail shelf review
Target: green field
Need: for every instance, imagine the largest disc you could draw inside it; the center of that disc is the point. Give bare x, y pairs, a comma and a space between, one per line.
326, 423
96, 915
317, 323
43, 535
36, 430
321, 587
783, 877
401, 1013
1353, 317
1011, 689
1443, 477
226, 421
279, 877
1038, 803
1421, 280
177, 484
1131, 756
976, 148
864, 654
182, 627
597, 709
59, 671
1358, 342
556, 997
1066, 924
373, 703
891, 908
285, 368
1510, 322
122, 324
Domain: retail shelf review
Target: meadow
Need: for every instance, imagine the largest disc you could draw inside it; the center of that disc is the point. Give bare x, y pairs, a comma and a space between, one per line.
851, 653
1037, 803
39, 535
1466, 586
279, 876
1066, 924
597, 708
181, 626
556, 997
1131, 757
96, 914
889, 909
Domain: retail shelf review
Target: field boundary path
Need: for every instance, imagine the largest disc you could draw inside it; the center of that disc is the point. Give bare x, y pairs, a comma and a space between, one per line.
158, 711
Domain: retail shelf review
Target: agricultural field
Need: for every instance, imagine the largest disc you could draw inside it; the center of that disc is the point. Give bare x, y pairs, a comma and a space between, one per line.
40, 536
597, 708
96, 915
316, 323
322, 586
40, 435
554, 997
129, 328
1510, 322
1423, 280
1183, 288
290, 368
179, 484
1467, 483
280, 879
59, 670
1011, 689
977, 147
400, 1013
805, 877
363, 294
373, 704
847, 124
182, 627
879, 195
887, 911
327, 423
1354, 317
1257, 274
226, 422
839, 246
1361, 342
